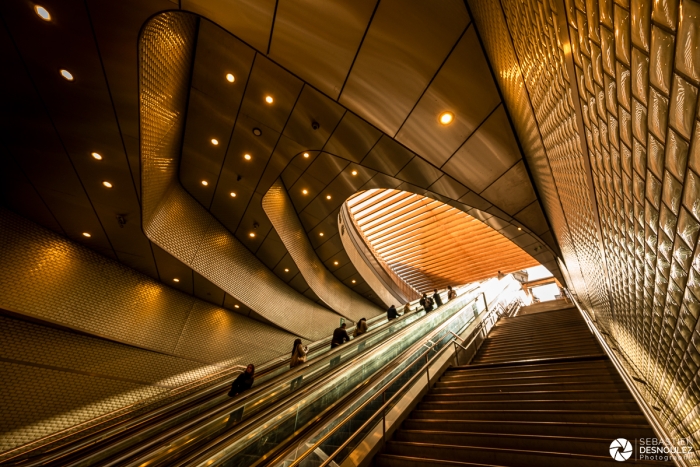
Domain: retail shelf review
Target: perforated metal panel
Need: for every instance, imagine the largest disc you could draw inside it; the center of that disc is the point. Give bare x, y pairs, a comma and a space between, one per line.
629, 188
177, 222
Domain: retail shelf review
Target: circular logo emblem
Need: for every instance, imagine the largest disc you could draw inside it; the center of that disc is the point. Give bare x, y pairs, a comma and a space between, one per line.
620, 449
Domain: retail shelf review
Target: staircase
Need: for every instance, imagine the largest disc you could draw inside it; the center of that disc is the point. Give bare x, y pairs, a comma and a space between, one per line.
540, 392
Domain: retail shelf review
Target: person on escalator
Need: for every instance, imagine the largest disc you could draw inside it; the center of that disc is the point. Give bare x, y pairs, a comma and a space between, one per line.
451, 294
340, 336
391, 313
361, 327
299, 352
426, 302
437, 299
243, 382
406, 308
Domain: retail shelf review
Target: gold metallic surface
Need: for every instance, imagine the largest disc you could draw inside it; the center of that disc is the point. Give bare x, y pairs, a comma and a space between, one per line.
634, 66
177, 222
431, 245
335, 294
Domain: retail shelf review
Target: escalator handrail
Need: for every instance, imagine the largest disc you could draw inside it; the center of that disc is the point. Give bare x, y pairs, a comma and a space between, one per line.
388, 403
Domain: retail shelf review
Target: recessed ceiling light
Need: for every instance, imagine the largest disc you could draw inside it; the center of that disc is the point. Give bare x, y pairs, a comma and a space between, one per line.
306, 154
269, 99
236, 306
286, 270
233, 194
205, 183
86, 234
304, 191
252, 234
335, 262
353, 281
320, 234
67, 74
215, 141
107, 184
97, 156
176, 280
446, 118
354, 172
247, 157
230, 78
328, 196
519, 228
257, 131
42, 12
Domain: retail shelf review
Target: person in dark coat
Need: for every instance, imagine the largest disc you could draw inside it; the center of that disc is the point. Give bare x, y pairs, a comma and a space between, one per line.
340, 336
437, 299
426, 303
243, 382
391, 313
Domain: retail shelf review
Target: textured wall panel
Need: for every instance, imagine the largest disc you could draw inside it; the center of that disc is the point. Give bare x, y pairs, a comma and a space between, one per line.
173, 219
634, 69
335, 294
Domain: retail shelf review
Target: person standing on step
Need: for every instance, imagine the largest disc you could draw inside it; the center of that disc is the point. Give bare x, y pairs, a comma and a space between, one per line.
299, 352
426, 302
451, 294
437, 299
340, 336
361, 327
391, 313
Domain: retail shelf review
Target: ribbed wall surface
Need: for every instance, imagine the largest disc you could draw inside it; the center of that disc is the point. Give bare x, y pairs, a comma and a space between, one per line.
629, 188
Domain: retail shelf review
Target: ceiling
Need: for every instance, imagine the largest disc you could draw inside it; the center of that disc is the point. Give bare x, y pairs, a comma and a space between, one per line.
429, 244
374, 84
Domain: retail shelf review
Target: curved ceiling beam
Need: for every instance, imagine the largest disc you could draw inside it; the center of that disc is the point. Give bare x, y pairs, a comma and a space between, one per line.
172, 218
335, 294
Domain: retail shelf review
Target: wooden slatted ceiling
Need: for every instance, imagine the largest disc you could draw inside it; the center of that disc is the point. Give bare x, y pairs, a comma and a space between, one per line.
430, 244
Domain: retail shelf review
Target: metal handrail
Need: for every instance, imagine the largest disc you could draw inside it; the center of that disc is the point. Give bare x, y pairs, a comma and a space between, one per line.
382, 409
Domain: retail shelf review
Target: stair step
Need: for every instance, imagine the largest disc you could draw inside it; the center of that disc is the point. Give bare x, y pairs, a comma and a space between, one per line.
516, 357
496, 456
586, 430
541, 329
618, 395
582, 364
543, 385
629, 405
391, 460
517, 372
485, 380
560, 416
529, 354
496, 346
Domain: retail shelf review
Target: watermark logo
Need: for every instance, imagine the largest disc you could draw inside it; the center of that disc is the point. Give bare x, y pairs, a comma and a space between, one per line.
621, 449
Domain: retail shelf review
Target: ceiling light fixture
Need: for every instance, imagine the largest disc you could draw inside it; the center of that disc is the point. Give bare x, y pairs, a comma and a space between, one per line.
236, 306
519, 228
205, 183
176, 280
304, 192
230, 78
328, 196
335, 262
252, 234
446, 118
306, 154
86, 234
257, 131
96, 156
215, 141
67, 75
320, 234
286, 270
247, 157
233, 194
354, 172
353, 281
269, 99
107, 184
42, 12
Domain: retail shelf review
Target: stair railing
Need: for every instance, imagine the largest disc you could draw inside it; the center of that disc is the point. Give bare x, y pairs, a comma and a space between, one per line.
488, 319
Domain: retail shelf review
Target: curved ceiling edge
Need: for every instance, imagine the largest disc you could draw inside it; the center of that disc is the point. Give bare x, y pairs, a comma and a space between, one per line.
172, 218
335, 294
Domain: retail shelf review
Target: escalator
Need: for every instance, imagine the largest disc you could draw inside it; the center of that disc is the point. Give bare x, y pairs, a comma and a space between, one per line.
160, 436
275, 436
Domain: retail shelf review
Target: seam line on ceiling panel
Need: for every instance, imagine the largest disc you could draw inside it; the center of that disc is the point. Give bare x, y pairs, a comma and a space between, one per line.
58, 136
111, 101
510, 120
272, 28
233, 129
31, 183
478, 126
359, 47
449, 54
